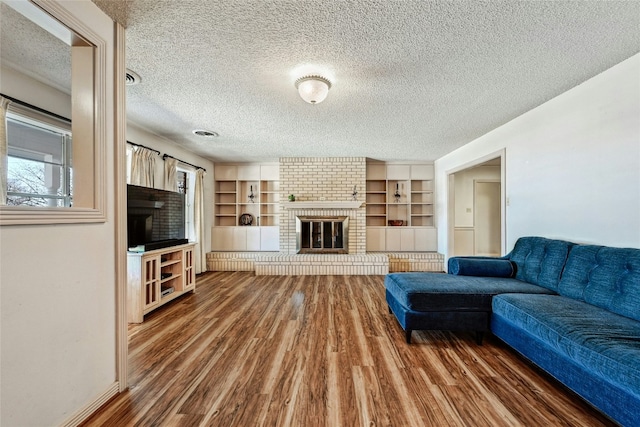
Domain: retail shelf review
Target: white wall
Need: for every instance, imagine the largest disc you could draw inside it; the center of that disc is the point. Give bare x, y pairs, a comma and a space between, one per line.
572, 164
139, 135
26, 89
58, 291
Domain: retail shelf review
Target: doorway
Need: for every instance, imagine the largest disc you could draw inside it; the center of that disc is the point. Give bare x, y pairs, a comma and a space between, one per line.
476, 225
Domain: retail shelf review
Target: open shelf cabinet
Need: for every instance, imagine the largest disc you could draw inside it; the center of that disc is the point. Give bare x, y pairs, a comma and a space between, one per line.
246, 208
243, 190
399, 193
400, 211
156, 277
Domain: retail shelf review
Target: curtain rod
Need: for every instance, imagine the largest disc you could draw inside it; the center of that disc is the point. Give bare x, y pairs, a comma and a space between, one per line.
143, 146
33, 107
182, 161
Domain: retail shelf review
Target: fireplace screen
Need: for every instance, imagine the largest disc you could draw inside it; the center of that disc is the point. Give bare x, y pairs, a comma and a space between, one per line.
322, 234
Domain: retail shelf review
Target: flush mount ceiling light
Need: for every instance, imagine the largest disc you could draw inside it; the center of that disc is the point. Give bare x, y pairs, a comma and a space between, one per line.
205, 133
313, 89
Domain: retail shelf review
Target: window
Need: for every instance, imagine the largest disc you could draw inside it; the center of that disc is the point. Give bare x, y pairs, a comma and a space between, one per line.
182, 181
58, 191
185, 177
38, 160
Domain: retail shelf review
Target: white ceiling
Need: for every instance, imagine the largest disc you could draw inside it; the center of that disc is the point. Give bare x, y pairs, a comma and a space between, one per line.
412, 80
21, 48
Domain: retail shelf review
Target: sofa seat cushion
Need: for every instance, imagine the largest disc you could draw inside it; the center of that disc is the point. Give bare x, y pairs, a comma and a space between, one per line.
445, 292
604, 343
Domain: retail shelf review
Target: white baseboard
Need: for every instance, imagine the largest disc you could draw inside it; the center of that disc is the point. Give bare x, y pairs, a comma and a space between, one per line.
83, 413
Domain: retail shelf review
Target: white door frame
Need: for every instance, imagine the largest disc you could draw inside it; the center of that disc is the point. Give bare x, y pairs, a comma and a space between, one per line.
503, 198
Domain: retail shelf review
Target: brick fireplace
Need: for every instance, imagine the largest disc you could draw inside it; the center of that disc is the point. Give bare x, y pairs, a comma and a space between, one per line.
323, 187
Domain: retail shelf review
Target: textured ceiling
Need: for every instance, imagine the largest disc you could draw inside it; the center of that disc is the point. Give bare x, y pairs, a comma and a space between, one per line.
21, 43
412, 80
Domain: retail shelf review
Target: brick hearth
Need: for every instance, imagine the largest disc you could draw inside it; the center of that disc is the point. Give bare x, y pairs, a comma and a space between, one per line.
275, 263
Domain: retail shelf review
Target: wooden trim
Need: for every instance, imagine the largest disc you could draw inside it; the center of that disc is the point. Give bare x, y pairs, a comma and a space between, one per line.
85, 412
120, 122
450, 199
97, 194
15, 215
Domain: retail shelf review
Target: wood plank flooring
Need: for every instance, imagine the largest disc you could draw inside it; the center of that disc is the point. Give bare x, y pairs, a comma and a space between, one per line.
248, 350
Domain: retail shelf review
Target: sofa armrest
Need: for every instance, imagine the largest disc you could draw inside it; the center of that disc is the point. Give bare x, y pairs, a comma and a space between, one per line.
487, 267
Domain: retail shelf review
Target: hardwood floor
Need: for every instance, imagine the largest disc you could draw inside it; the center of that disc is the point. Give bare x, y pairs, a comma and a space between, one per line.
250, 350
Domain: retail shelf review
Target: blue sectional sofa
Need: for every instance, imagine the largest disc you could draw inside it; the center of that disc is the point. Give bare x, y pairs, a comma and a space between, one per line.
584, 329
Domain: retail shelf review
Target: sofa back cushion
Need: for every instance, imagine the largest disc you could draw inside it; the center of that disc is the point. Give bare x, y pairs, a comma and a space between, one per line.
539, 260
603, 276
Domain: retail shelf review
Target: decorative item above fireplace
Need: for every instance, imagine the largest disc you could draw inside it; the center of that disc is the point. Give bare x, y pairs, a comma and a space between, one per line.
322, 234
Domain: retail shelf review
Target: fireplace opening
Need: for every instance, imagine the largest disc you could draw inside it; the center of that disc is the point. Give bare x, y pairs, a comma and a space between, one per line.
322, 234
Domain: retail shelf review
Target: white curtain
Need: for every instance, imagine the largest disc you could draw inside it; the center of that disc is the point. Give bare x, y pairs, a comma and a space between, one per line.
170, 174
143, 166
4, 104
201, 251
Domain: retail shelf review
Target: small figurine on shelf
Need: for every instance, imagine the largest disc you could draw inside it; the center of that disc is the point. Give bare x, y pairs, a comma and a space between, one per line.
397, 193
252, 196
292, 198
354, 194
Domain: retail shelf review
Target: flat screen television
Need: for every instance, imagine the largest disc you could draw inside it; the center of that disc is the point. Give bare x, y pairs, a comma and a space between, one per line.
155, 218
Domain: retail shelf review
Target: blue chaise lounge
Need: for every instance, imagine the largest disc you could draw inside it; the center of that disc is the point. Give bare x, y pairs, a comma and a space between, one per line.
461, 300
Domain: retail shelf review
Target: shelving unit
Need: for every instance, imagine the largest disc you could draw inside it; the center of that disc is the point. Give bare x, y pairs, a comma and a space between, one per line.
171, 270
246, 204
414, 207
270, 203
157, 277
234, 183
422, 203
376, 197
226, 204
398, 207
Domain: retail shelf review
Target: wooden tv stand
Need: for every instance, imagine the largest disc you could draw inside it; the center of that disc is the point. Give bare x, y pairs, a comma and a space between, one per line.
156, 277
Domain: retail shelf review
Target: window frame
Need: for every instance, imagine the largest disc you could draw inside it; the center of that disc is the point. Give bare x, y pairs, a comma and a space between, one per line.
47, 122
89, 128
189, 208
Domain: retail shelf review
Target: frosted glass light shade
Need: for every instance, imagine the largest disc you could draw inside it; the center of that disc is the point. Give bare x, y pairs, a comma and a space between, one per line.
313, 89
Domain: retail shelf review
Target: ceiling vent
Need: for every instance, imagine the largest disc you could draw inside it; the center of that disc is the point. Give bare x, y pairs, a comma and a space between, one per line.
205, 133
132, 78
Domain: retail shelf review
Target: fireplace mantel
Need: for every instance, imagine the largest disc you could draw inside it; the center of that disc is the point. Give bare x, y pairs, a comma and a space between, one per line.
321, 204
